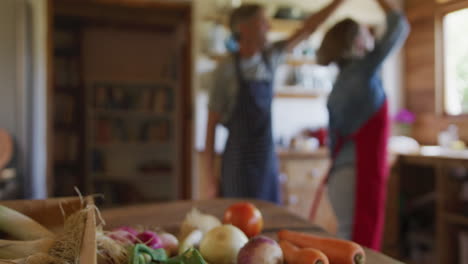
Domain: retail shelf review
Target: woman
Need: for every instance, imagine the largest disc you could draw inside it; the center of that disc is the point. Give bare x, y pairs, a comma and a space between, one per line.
359, 124
241, 100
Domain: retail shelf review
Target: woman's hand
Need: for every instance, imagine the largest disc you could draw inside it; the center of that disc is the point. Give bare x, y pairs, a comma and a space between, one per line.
312, 23
387, 5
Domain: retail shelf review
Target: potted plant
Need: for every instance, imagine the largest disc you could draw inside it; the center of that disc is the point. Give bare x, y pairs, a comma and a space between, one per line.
403, 122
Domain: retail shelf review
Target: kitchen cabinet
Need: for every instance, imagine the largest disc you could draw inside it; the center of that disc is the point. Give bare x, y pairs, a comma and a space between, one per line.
427, 218
302, 172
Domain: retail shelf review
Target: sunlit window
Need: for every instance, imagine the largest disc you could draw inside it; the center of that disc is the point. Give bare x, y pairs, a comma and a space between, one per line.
456, 62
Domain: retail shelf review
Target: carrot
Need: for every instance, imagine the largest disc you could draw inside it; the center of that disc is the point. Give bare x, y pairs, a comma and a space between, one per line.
289, 251
310, 256
338, 251
294, 255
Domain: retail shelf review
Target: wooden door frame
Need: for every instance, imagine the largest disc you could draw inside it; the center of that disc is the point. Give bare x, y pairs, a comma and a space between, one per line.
185, 151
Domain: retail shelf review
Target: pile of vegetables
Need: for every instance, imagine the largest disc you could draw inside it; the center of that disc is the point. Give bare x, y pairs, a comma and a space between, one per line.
202, 239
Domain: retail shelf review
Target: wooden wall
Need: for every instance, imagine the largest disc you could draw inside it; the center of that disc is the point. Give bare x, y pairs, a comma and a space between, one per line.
424, 92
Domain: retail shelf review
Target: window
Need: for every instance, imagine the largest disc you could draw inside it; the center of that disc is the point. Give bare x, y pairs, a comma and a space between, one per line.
455, 25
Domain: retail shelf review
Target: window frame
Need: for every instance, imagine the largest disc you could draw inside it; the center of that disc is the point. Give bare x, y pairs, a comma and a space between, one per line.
442, 11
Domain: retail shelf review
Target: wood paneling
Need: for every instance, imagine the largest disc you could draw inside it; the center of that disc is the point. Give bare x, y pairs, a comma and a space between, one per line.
420, 59
423, 70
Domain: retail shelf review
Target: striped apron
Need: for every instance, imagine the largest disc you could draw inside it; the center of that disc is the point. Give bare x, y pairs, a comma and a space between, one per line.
250, 165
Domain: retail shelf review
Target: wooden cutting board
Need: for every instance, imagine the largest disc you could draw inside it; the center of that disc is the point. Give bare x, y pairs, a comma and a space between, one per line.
6, 148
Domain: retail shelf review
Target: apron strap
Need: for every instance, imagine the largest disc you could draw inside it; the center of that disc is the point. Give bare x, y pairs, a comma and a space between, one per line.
321, 188
240, 76
267, 63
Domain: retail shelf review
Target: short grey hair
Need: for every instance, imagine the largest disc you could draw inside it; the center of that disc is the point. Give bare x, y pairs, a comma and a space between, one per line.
240, 14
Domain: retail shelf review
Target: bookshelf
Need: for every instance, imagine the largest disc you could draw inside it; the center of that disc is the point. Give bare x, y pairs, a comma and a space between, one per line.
121, 115
133, 118
68, 121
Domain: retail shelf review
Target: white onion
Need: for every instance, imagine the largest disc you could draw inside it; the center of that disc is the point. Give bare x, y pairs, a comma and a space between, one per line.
197, 220
222, 244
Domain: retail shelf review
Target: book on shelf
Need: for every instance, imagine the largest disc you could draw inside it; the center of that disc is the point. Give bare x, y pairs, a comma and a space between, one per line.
101, 96
160, 101
103, 130
155, 131
145, 100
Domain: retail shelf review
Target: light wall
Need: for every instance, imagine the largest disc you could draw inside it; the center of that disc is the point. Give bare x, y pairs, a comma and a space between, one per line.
8, 72
15, 83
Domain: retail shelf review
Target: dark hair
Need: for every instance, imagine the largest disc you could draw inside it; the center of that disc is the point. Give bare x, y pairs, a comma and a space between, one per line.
240, 14
338, 42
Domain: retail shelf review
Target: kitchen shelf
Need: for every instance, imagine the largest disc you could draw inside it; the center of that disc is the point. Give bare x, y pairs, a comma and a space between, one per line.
298, 95
297, 92
285, 25
456, 219
300, 61
289, 61
218, 57
277, 25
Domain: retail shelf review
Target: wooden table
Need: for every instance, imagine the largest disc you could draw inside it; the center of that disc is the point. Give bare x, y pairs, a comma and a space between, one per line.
169, 216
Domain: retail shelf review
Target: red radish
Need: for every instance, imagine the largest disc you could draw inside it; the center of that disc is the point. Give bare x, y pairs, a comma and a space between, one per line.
151, 239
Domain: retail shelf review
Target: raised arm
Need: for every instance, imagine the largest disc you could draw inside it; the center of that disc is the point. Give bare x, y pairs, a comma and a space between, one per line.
311, 24
396, 33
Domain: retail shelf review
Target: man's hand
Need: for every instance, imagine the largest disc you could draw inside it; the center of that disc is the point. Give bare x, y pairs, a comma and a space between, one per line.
312, 23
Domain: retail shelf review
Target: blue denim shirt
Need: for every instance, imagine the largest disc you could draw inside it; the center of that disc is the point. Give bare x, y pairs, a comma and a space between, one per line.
358, 92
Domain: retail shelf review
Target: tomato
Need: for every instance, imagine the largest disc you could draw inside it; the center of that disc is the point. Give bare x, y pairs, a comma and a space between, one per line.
246, 217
